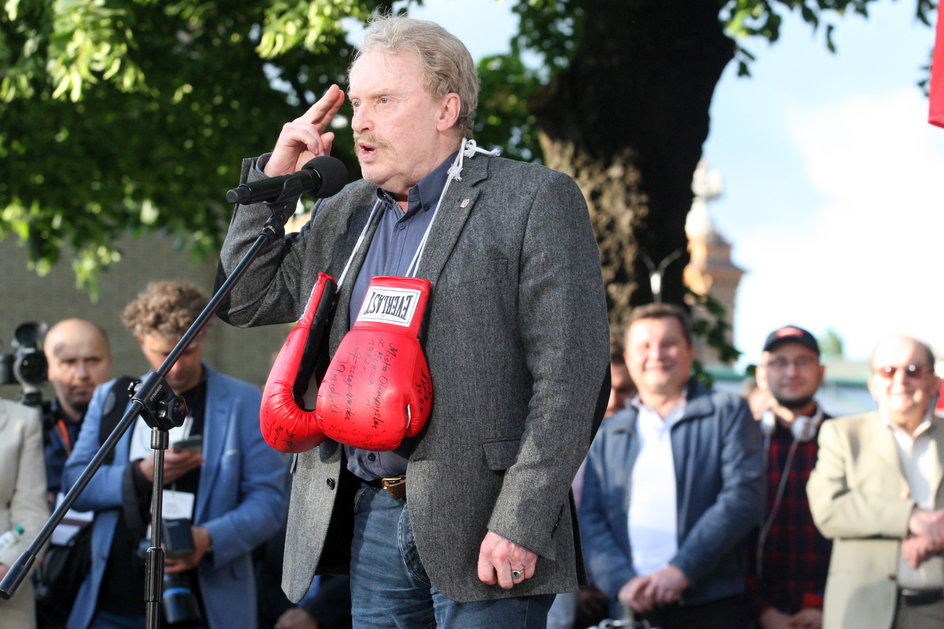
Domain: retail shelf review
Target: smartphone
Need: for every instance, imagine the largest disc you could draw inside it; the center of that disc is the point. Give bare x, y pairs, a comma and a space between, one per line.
189, 444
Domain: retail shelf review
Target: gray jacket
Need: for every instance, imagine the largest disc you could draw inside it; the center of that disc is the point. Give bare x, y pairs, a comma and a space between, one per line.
517, 346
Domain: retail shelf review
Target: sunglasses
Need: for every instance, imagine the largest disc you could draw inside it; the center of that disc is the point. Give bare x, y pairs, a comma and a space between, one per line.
912, 371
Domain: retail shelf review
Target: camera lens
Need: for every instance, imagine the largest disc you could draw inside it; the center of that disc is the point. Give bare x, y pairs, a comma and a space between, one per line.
30, 366
180, 605
28, 334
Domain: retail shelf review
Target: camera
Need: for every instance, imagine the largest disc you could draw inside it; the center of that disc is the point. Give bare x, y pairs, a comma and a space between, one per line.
178, 538
27, 365
180, 604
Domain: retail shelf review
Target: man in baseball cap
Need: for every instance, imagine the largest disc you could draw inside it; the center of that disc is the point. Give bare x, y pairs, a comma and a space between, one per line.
792, 557
791, 334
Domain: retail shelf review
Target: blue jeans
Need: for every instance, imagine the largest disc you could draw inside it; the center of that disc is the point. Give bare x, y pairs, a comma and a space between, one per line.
389, 586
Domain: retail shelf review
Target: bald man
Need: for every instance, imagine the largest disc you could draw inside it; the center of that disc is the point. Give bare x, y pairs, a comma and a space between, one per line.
876, 491
79, 358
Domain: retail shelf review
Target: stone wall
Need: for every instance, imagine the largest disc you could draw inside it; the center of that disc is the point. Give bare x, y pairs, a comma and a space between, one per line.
25, 296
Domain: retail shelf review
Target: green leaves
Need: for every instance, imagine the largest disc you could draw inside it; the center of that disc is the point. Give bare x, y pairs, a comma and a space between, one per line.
121, 117
504, 118
314, 25
128, 116
90, 42
763, 18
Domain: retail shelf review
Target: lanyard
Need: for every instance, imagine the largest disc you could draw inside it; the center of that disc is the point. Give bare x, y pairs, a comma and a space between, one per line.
467, 149
64, 433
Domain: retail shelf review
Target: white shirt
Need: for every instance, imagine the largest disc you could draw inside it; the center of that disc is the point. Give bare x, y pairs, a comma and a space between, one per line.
917, 465
653, 508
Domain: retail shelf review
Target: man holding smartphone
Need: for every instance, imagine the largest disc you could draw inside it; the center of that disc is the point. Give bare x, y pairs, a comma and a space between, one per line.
218, 473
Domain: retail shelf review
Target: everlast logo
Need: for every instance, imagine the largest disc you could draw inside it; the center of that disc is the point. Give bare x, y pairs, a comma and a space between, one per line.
389, 305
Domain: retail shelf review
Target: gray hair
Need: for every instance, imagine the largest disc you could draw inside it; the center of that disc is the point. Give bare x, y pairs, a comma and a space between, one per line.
446, 61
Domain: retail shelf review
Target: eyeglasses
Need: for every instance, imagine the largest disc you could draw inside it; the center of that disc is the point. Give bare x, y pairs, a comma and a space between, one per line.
801, 362
911, 370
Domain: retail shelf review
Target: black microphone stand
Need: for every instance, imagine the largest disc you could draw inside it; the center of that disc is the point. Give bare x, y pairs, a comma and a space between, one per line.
162, 410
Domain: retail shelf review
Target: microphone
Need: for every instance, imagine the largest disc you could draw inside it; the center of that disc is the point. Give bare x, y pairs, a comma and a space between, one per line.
321, 177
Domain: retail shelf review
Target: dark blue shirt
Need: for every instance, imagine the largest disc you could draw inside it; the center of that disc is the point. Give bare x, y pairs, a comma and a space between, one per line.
61, 435
391, 250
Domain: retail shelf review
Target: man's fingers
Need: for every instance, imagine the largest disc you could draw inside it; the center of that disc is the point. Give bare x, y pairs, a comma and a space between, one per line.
504, 562
636, 594
490, 574
486, 571
305, 137
530, 567
650, 592
324, 109
327, 139
175, 467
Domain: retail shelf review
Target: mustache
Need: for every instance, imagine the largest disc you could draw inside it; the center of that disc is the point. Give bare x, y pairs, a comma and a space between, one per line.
370, 138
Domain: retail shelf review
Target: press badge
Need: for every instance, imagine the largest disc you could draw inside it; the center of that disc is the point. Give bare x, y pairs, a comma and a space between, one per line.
177, 505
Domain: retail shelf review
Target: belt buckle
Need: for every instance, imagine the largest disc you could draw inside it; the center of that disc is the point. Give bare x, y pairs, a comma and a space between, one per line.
395, 486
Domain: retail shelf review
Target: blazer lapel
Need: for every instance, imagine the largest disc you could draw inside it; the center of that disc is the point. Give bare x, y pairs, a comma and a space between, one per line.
451, 216
215, 428
882, 441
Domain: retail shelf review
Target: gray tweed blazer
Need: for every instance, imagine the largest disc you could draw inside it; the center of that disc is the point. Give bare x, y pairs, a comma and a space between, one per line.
517, 345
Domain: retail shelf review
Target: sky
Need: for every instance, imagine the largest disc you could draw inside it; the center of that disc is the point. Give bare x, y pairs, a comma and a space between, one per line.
832, 177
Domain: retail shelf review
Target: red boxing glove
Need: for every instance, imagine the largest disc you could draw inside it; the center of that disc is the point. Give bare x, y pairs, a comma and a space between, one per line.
377, 389
285, 424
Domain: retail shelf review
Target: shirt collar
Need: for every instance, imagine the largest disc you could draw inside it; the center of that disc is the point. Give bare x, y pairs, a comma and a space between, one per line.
425, 194
926, 424
677, 410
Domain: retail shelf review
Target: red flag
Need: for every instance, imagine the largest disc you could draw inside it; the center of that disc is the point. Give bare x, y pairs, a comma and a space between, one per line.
936, 98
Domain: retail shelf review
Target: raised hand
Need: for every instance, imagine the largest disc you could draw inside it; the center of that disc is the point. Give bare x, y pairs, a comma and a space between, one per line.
306, 137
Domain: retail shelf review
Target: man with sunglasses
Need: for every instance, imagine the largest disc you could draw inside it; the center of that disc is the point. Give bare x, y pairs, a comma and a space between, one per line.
876, 491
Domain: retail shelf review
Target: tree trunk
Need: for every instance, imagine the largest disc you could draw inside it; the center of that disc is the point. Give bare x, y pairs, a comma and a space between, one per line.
628, 120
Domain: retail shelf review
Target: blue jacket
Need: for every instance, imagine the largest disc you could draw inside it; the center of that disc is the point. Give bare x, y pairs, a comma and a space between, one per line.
718, 454
240, 500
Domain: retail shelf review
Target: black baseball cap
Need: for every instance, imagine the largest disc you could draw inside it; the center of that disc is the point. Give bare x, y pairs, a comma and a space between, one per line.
791, 334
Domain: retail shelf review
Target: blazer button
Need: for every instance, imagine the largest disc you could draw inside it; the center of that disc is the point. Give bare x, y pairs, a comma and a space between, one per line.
330, 482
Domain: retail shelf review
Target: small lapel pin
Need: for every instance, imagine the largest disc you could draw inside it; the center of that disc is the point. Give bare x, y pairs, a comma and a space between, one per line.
464, 203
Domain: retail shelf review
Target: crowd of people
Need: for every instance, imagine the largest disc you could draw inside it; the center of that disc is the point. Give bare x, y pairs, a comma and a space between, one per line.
694, 511
545, 471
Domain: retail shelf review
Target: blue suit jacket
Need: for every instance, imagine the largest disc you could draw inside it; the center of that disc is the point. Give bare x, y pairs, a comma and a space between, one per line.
240, 500
720, 484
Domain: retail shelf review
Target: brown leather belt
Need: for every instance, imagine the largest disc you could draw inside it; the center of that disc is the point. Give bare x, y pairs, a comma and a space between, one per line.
395, 485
